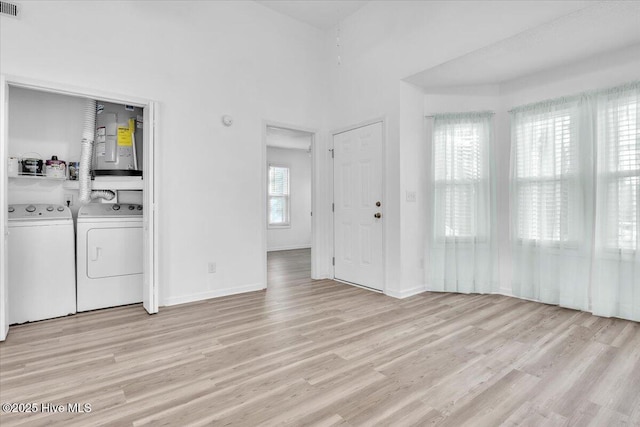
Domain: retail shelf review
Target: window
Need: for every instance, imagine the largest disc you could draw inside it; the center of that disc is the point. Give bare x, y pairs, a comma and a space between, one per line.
546, 175
461, 176
621, 170
279, 215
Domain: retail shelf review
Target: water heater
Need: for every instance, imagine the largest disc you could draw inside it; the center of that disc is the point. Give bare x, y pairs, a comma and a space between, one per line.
118, 140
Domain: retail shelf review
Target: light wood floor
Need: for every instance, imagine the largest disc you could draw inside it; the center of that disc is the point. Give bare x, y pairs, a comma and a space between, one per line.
323, 353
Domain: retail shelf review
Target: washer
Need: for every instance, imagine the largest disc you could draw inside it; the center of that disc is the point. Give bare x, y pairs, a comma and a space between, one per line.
109, 255
42, 277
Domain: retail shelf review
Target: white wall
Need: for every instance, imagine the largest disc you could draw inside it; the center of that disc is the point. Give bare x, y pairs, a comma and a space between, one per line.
385, 42
47, 124
414, 161
200, 60
298, 235
596, 73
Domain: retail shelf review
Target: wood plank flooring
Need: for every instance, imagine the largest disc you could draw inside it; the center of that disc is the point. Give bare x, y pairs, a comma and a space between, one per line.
323, 353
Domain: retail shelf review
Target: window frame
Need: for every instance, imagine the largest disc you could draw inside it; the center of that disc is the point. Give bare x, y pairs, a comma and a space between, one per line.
570, 179
481, 235
286, 197
606, 177
614, 178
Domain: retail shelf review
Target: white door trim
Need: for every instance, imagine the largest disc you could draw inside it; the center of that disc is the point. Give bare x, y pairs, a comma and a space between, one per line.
314, 194
335, 132
150, 218
4, 226
362, 124
65, 89
7, 81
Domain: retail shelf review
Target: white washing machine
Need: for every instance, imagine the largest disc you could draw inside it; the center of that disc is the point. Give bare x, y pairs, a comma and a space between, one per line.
109, 255
42, 274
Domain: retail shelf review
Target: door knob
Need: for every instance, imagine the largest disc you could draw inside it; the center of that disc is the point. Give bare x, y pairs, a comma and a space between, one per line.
378, 204
377, 215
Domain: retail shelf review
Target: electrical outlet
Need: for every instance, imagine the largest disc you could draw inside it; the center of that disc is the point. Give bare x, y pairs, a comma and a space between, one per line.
68, 199
212, 267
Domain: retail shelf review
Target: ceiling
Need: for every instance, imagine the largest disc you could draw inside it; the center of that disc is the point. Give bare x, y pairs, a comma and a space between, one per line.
585, 34
590, 32
288, 138
322, 14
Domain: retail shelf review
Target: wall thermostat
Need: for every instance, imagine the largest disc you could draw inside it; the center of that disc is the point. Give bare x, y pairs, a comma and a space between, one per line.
227, 120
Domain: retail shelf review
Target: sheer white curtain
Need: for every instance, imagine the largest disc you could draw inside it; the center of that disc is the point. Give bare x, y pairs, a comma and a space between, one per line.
552, 183
463, 245
616, 281
574, 203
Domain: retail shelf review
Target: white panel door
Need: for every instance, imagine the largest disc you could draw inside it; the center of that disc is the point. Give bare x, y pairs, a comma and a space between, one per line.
358, 206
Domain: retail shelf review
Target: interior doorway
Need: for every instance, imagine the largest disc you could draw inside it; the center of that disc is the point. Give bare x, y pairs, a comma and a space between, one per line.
288, 195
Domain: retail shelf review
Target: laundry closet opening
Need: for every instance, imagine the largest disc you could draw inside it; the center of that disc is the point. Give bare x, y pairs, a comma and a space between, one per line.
79, 205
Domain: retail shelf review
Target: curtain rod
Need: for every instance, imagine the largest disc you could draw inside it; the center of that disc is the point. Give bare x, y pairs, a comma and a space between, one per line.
571, 98
431, 116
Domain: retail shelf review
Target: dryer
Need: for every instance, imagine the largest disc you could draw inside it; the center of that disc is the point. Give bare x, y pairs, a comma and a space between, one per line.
109, 255
42, 273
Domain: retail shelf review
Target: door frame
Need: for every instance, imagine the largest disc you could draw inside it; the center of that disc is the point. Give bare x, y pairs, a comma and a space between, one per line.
150, 196
314, 194
335, 132
4, 225
150, 284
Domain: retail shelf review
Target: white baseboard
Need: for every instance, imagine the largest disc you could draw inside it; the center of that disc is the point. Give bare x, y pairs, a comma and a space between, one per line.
506, 292
288, 248
509, 293
405, 293
355, 285
214, 293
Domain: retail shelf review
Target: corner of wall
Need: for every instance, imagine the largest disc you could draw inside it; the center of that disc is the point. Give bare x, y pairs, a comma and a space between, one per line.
405, 293
216, 293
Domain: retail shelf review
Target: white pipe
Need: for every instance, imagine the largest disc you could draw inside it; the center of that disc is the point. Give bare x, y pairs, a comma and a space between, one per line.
86, 157
86, 154
135, 156
102, 194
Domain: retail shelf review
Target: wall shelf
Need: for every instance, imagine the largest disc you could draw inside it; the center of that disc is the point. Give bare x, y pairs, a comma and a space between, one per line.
38, 178
97, 184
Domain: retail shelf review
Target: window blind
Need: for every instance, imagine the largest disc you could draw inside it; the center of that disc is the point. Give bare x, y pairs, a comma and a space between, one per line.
546, 166
279, 195
622, 139
459, 168
457, 153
